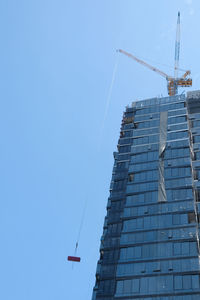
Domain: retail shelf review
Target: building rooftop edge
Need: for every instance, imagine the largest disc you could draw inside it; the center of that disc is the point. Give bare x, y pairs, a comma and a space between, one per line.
163, 100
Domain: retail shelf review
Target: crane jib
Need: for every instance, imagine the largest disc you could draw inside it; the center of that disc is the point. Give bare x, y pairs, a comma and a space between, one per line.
172, 82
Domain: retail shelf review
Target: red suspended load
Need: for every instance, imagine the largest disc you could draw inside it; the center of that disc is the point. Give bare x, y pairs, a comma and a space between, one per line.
74, 258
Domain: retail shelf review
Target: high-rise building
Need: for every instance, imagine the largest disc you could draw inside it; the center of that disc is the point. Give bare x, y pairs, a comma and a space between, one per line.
150, 243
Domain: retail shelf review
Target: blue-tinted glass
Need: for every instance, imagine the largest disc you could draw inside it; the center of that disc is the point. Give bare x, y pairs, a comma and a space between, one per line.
119, 289
187, 282
195, 281
135, 285
160, 255
178, 282
127, 286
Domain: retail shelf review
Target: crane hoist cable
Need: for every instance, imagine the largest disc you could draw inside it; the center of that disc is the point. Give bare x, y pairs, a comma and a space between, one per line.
76, 258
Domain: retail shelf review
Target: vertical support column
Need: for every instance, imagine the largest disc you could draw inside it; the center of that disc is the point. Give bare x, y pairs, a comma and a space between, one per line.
195, 191
162, 145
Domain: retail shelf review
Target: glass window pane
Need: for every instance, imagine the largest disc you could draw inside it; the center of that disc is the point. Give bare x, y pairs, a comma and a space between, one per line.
119, 289
177, 248
186, 282
135, 285
143, 285
195, 281
127, 286
177, 282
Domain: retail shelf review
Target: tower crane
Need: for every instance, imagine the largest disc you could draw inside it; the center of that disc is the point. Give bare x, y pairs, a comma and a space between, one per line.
172, 82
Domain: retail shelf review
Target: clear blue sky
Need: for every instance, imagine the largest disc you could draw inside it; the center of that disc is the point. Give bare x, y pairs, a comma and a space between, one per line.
57, 59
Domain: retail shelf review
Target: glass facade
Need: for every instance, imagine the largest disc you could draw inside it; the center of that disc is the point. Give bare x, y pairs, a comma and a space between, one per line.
150, 243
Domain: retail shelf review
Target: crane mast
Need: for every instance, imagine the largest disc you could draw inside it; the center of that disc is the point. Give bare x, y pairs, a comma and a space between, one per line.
172, 82
177, 48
